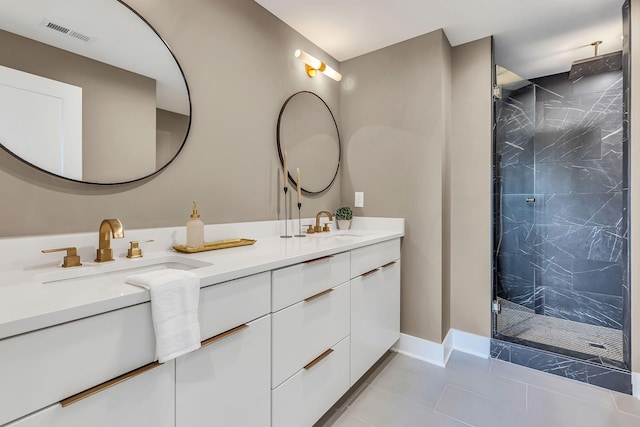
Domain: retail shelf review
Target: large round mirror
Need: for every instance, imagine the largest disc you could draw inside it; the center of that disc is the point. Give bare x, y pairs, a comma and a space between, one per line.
308, 132
89, 91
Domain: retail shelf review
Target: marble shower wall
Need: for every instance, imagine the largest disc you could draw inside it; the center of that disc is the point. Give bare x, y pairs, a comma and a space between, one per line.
560, 143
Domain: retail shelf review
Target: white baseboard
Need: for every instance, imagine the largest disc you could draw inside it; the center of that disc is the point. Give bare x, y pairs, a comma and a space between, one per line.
421, 349
471, 343
438, 354
635, 384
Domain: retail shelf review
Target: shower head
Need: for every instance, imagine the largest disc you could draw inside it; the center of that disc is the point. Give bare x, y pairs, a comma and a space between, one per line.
596, 64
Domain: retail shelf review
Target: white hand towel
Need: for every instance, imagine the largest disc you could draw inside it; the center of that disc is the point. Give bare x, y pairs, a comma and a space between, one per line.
174, 309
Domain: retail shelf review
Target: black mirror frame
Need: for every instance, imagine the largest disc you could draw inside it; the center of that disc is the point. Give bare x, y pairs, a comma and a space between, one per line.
279, 145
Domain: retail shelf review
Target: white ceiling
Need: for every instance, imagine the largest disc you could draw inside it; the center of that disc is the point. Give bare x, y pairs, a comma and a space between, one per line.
532, 37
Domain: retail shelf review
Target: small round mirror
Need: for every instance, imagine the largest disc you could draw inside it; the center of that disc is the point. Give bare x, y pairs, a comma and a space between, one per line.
308, 132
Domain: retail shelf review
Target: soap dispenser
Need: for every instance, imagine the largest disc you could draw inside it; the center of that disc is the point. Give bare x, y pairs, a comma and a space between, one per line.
195, 229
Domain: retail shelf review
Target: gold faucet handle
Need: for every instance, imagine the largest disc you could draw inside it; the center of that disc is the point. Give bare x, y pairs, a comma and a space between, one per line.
326, 226
135, 251
310, 229
71, 260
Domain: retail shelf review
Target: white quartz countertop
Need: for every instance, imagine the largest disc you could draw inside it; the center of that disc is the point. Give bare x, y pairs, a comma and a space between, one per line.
38, 296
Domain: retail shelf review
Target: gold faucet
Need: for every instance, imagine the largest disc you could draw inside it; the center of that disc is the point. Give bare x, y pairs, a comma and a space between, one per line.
317, 228
104, 252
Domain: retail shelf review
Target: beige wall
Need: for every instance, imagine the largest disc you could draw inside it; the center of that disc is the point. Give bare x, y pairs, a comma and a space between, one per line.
108, 128
393, 117
634, 186
238, 60
471, 188
447, 110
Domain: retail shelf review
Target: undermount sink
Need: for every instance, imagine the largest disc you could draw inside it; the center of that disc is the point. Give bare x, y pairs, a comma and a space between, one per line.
121, 268
336, 234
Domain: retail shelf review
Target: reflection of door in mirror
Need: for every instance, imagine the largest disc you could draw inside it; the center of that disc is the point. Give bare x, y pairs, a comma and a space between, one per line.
55, 144
132, 88
307, 131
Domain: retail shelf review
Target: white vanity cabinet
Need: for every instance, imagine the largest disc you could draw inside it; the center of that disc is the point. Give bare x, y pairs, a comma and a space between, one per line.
46, 366
143, 400
310, 350
227, 382
375, 304
279, 347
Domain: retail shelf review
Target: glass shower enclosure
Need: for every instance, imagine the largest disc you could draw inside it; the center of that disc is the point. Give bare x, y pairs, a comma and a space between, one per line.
560, 217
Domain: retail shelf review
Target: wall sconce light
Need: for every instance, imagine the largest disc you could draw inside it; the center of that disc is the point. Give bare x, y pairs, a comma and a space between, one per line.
313, 65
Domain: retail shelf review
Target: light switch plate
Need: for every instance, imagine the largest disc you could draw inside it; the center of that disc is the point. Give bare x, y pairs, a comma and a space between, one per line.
359, 200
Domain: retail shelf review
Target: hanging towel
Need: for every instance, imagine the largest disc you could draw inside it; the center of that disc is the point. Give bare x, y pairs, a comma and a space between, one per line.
174, 309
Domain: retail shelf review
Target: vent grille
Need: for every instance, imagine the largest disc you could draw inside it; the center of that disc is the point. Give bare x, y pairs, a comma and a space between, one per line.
48, 23
79, 36
57, 27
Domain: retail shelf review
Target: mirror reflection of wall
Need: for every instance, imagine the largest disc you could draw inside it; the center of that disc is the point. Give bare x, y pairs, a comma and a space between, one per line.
307, 131
133, 124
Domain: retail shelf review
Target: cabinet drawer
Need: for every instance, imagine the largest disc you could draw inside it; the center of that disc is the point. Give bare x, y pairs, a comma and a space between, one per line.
228, 382
43, 367
369, 257
145, 400
304, 398
297, 282
306, 329
229, 304
375, 317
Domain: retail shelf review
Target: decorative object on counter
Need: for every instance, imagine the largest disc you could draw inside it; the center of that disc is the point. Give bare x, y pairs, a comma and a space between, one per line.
285, 176
71, 260
312, 65
104, 252
344, 215
175, 295
299, 188
135, 251
218, 244
195, 229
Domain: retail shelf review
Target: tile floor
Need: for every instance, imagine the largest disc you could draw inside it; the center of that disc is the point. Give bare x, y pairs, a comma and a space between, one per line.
471, 391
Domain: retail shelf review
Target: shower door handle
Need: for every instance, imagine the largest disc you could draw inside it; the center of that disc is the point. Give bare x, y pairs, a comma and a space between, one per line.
530, 199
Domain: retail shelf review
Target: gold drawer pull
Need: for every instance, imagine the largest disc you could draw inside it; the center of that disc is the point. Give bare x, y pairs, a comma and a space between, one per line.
318, 259
318, 359
318, 295
223, 335
369, 273
100, 387
388, 264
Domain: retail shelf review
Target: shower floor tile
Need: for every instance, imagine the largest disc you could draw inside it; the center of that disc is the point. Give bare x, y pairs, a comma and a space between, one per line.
604, 344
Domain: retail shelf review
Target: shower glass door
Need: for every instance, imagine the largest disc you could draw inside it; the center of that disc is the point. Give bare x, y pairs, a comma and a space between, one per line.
560, 240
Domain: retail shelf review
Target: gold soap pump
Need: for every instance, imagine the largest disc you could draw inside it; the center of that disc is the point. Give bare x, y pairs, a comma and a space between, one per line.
195, 229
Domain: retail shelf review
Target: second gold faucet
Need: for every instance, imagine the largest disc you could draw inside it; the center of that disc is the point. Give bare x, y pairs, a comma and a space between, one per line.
318, 228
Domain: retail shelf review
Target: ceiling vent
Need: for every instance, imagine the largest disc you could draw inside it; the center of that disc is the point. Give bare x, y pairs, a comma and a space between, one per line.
63, 29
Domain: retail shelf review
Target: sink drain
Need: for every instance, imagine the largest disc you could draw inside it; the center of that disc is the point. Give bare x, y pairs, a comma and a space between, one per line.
597, 346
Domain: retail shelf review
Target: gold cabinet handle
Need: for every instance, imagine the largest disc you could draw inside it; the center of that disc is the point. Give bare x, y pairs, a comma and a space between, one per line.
135, 251
318, 295
318, 259
369, 273
100, 387
389, 264
71, 260
223, 335
318, 359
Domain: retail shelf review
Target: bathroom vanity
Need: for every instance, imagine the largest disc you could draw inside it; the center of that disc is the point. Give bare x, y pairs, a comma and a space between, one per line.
287, 327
